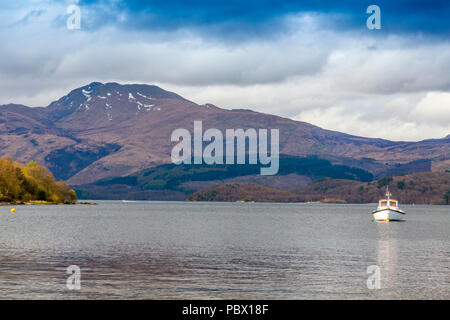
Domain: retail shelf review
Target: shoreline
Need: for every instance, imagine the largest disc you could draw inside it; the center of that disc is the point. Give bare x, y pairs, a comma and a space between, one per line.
31, 203
92, 202
272, 202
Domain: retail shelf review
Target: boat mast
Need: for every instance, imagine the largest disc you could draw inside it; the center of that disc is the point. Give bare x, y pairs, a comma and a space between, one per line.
388, 194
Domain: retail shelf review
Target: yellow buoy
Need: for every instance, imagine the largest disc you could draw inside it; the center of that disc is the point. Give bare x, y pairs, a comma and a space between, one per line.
13, 210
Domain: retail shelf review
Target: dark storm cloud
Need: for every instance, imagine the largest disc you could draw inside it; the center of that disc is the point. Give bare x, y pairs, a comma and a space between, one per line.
247, 19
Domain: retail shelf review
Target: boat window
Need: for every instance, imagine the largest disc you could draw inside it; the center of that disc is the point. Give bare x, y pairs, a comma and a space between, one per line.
383, 203
393, 203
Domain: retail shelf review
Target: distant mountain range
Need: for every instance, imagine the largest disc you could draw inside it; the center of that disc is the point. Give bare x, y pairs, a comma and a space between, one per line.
111, 130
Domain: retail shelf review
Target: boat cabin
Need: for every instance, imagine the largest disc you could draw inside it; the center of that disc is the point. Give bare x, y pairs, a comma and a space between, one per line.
388, 203
388, 209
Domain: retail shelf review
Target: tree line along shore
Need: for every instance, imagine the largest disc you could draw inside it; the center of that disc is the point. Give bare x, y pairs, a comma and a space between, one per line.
31, 183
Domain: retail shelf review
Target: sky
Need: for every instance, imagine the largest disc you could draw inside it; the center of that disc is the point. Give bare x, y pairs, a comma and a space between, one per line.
313, 61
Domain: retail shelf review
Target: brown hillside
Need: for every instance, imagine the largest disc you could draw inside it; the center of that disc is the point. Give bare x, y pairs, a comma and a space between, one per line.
418, 188
232, 192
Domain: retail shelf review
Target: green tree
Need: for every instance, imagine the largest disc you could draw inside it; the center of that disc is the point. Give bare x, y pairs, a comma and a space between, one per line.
384, 182
446, 196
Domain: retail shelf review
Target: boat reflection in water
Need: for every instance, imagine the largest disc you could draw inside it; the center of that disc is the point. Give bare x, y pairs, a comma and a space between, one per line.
387, 258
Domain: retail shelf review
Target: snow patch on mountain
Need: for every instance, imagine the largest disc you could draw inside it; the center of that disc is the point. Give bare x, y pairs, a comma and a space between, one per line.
148, 107
86, 93
108, 109
144, 96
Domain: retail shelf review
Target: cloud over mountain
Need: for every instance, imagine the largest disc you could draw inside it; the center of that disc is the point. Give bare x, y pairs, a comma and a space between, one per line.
308, 61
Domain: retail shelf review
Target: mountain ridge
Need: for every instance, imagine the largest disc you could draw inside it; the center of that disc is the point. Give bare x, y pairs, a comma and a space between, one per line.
122, 129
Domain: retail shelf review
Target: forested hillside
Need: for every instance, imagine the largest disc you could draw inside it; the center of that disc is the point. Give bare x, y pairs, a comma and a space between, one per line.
174, 179
418, 188
31, 183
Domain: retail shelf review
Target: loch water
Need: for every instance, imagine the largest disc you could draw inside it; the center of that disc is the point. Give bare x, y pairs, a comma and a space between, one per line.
182, 250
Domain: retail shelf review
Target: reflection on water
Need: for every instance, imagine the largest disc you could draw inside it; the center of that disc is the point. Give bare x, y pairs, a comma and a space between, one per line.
159, 250
387, 256
408, 264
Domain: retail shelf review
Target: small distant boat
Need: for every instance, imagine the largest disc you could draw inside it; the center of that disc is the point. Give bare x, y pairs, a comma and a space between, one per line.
388, 209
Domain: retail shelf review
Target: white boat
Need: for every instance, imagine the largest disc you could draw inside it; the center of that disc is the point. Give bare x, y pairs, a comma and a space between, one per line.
388, 209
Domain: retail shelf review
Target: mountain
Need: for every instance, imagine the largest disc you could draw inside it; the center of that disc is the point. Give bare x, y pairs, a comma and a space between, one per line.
109, 130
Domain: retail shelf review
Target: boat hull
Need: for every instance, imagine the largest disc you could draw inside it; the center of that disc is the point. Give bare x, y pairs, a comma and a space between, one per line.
388, 215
